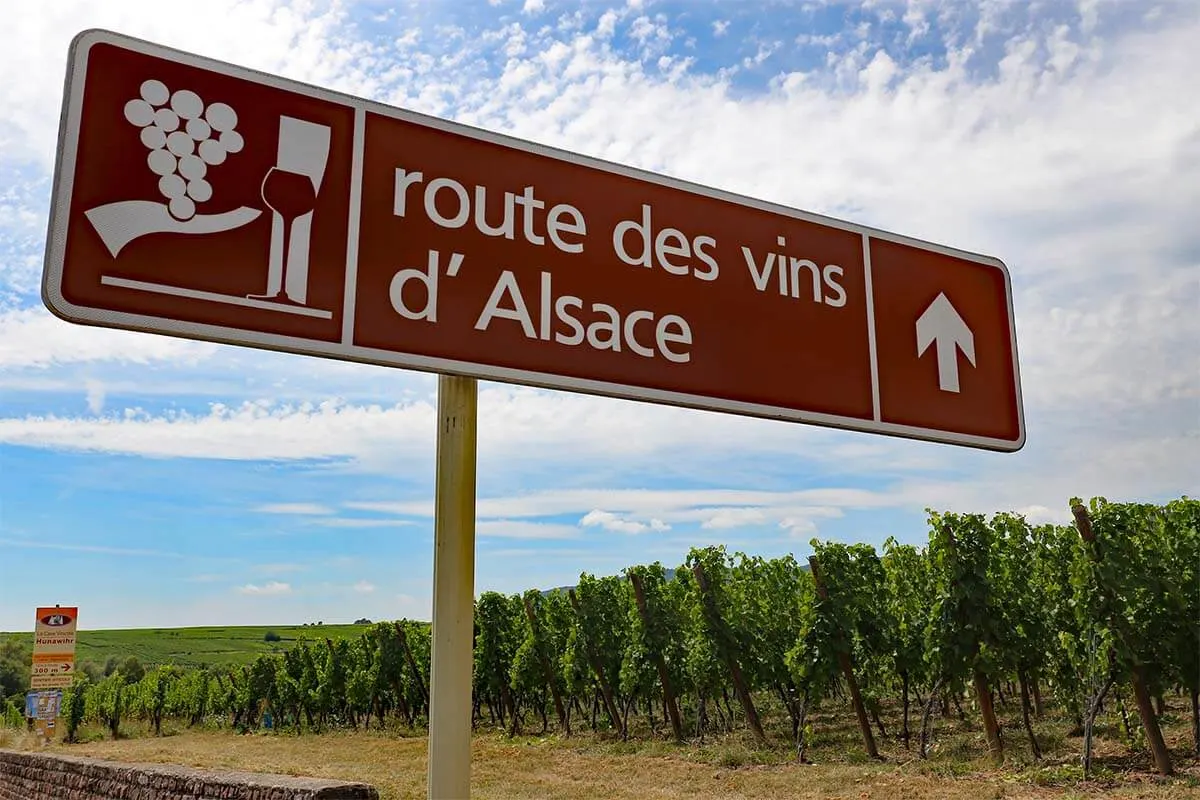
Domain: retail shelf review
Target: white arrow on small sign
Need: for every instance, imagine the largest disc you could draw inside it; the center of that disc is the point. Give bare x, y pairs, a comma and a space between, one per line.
941, 325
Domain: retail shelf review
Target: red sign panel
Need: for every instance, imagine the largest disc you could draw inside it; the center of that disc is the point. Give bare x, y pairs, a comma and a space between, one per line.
199, 199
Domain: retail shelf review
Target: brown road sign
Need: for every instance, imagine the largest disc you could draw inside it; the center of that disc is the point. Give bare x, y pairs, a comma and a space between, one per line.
199, 199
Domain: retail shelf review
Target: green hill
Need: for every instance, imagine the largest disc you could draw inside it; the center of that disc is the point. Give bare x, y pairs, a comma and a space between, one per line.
192, 646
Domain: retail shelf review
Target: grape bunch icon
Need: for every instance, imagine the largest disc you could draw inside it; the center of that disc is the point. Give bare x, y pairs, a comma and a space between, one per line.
185, 138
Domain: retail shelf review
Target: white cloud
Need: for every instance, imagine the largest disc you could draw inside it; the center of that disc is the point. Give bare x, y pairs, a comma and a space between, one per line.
1037, 514
798, 526
652, 33
607, 24
519, 428
636, 511
364, 587
618, 524
733, 517
304, 41
720, 26
357, 522
1151, 467
22, 228
95, 394
33, 338
667, 505
303, 509
15, 213
571, 556
763, 52
272, 588
1009, 164
249, 431
524, 529
42, 544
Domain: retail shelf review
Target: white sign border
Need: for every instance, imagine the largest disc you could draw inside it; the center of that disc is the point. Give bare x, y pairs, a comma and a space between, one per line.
64, 171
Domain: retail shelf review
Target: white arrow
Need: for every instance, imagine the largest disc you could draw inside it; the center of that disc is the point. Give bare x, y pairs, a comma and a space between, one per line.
941, 324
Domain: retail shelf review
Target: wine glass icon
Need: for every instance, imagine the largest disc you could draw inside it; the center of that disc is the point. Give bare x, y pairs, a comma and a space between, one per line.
290, 190
290, 195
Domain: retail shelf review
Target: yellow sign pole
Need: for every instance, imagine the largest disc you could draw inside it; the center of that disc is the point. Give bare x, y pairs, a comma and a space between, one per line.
450, 684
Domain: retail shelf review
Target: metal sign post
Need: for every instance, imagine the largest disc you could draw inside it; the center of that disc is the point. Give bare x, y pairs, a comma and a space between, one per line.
449, 772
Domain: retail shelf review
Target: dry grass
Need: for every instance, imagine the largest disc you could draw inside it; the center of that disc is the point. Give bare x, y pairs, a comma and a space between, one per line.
548, 768
727, 767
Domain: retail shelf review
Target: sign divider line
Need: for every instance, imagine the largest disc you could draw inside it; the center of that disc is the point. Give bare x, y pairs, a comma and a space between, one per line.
352, 235
870, 292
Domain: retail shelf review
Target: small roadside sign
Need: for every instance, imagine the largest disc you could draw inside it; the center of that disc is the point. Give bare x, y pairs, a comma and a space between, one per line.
53, 663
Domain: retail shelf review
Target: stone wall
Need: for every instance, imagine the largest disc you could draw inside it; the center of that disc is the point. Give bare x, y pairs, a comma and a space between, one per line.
41, 776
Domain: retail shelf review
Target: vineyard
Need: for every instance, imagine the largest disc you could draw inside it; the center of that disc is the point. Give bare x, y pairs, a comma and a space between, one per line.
992, 612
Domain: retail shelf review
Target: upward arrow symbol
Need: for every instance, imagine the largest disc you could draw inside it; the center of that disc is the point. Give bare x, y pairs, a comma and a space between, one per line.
941, 325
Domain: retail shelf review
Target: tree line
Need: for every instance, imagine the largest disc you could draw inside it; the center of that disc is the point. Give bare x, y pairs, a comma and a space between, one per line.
990, 609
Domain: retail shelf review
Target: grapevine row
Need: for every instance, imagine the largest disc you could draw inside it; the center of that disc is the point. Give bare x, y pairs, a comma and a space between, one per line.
1077, 613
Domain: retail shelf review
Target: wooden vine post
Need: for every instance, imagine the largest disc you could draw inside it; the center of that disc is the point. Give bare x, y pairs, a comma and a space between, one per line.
1141, 694
412, 664
990, 724
559, 708
847, 668
610, 704
731, 662
639, 595
984, 696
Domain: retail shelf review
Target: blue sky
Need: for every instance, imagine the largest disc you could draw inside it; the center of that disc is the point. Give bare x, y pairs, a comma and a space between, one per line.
154, 481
